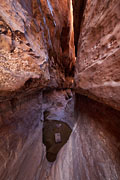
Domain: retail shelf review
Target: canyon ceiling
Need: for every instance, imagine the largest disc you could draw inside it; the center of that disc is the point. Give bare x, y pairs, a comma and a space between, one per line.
59, 90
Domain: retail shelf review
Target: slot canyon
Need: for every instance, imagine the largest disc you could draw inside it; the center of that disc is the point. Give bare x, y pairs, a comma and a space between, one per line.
59, 90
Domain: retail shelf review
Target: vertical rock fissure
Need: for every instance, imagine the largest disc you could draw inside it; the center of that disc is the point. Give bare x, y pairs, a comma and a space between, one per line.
78, 11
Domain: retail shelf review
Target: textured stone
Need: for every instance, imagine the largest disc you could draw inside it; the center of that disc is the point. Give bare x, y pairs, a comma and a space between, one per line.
20, 129
23, 54
36, 45
92, 151
22, 153
58, 117
36, 70
97, 68
59, 105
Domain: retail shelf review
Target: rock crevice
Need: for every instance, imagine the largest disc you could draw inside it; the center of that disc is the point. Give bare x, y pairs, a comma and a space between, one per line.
48, 131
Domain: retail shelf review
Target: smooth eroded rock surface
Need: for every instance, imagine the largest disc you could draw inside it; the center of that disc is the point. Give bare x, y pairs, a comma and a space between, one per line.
21, 147
59, 105
97, 68
93, 149
22, 152
58, 117
37, 58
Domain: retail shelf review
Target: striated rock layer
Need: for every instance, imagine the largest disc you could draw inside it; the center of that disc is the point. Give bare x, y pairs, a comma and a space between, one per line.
97, 67
37, 58
36, 45
20, 129
36, 53
93, 150
22, 153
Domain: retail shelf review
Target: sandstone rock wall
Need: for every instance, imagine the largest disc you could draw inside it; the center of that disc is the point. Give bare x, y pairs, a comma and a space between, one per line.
22, 153
36, 45
37, 58
21, 148
97, 66
23, 54
36, 52
92, 151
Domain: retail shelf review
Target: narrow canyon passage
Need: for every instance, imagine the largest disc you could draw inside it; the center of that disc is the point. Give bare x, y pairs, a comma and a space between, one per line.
92, 151
58, 120
59, 90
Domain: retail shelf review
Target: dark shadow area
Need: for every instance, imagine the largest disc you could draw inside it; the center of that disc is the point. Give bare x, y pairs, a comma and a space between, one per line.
78, 10
55, 135
67, 63
104, 119
64, 39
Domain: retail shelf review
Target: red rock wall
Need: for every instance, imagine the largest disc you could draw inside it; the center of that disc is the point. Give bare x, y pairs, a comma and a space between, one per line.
36, 54
37, 45
22, 153
20, 129
97, 68
93, 150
